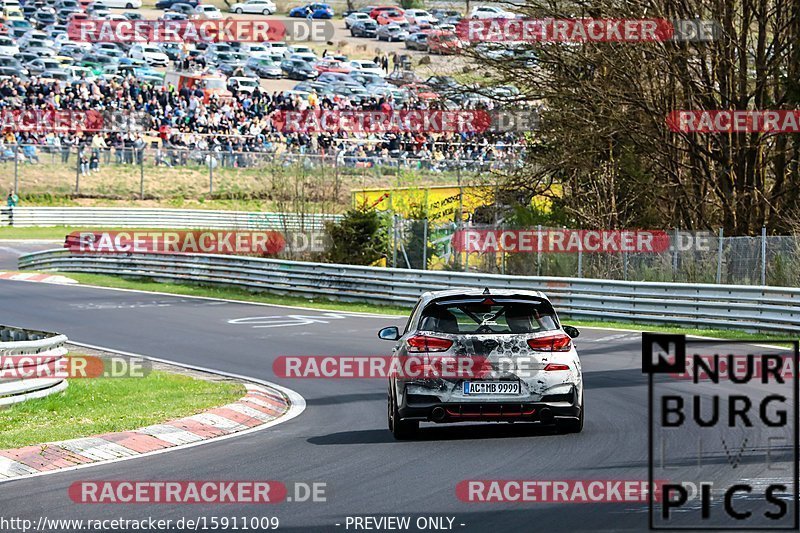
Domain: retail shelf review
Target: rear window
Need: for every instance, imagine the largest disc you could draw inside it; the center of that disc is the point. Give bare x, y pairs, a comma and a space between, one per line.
489, 316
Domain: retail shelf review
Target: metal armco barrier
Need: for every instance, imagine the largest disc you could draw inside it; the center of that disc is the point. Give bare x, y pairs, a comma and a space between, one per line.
697, 305
22, 378
160, 218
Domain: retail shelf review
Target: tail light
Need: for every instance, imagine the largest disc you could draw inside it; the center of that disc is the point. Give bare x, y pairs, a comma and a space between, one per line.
556, 343
554, 366
423, 343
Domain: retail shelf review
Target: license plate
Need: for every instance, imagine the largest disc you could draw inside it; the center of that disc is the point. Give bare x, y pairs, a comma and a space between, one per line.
490, 387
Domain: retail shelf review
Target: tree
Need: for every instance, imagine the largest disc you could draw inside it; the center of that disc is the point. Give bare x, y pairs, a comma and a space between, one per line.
603, 135
359, 238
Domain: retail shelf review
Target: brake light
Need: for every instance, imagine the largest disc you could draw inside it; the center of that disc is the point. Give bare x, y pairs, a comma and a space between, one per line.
423, 343
553, 366
556, 343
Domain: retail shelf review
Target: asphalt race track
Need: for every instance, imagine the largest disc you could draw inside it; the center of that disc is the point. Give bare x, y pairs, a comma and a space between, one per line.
342, 438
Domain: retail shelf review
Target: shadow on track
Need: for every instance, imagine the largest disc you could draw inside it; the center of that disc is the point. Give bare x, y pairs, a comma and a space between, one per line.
440, 433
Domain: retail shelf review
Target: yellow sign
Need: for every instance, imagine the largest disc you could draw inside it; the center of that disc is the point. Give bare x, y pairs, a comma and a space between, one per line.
440, 202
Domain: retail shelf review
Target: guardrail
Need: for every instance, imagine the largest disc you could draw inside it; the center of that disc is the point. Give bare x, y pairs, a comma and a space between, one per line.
160, 218
697, 305
46, 351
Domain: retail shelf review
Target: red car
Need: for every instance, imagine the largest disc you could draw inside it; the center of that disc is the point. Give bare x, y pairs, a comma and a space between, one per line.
332, 65
378, 10
440, 42
390, 17
421, 91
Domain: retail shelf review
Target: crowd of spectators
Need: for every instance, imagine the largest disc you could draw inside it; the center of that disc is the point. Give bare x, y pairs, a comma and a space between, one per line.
183, 126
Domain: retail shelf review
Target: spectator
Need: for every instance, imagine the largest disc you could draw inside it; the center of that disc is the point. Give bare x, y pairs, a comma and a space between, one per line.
12, 200
29, 151
83, 161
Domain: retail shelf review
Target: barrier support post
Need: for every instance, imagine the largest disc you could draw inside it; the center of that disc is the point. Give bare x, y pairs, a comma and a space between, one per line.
719, 255
763, 255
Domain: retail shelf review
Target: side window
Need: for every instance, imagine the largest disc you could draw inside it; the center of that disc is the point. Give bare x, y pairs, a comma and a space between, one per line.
411, 318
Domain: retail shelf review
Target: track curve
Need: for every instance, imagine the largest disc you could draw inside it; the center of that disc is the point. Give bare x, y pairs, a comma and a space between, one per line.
341, 439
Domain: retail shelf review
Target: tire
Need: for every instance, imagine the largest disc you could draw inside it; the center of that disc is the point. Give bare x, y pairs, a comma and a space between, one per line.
239, 11
401, 429
128, 6
266, 13
573, 425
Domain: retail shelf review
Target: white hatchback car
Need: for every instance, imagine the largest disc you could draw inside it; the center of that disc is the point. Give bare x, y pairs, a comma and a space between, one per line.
491, 12
207, 12
467, 355
260, 7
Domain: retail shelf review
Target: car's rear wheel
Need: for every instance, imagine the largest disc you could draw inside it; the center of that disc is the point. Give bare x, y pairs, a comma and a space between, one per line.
239, 11
266, 12
401, 429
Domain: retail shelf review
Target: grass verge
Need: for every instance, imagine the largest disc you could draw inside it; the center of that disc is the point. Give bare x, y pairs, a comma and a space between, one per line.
243, 295
94, 406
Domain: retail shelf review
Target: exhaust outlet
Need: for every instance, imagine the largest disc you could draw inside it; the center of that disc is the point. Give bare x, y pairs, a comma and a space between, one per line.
438, 414
546, 416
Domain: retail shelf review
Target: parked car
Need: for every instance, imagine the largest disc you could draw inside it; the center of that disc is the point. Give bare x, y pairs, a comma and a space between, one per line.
166, 4
364, 28
150, 53
380, 9
491, 12
242, 84
391, 16
444, 43
354, 17
183, 8
417, 41
265, 67
318, 11
297, 69
363, 65
391, 32
261, 7
207, 12
8, 46
420, 16
125, 4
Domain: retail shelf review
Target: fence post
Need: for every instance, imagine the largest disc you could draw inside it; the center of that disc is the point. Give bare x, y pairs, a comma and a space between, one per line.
16, 169
675, 245
141, 178
211, 173
625, 266
394, 240
539, 250
78, 171
580, 262
425, 244
719, 255
763, 255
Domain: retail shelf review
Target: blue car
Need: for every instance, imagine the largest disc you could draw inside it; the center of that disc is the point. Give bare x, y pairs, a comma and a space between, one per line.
318, 11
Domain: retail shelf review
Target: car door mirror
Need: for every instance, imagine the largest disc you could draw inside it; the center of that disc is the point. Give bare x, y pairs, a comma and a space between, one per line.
572, 331
389, 334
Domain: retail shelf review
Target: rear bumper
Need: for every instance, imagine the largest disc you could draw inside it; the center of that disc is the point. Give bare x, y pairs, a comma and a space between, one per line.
447, 412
